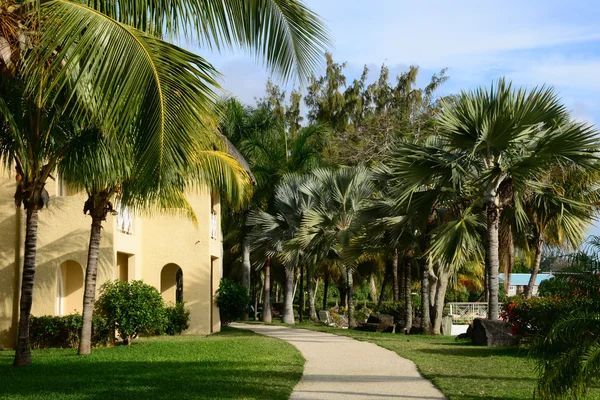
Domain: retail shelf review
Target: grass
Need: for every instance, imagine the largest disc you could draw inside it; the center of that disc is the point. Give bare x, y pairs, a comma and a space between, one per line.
459, 369
233, 364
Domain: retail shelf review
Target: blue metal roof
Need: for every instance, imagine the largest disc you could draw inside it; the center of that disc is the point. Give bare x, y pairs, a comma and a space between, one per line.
523, 279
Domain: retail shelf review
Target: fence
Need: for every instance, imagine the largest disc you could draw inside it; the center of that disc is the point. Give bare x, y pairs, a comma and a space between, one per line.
463, 313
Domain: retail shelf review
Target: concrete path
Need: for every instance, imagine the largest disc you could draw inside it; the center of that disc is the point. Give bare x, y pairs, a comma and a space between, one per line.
339, 367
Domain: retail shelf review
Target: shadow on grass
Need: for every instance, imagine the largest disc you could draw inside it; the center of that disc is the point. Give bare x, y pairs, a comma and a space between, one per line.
145, 380
466, 350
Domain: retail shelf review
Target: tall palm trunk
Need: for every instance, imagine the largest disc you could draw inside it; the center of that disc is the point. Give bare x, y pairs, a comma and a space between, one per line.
89, 295
536, 266
288, 301
301, 295
407, 294
325, 290
395, 283
373, 287
311, 283
425, 320
246, 269
350, 281
438, 308
266, 316
23, 351
493, 261
507, 252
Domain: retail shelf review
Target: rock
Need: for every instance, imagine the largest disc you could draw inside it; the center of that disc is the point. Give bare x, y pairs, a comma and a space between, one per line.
378, 323
447, 325
486, 332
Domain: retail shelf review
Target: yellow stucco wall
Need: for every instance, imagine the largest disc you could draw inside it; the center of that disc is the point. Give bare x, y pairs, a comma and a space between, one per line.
63, 236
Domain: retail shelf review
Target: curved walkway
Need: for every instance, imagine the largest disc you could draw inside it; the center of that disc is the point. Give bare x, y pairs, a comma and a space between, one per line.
338, 367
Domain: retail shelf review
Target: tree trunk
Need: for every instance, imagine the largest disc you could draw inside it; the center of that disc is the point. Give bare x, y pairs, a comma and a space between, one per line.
23, 351
288, 301
401, 283
246, 269
536, 266
438, 309
325, 290
373, 287
343, 289
433, 280
396, 286
407, 294
349, 280
89, 296
425, 319
383, 283
301, 295
493, 261
266, 316
310, 282
507, 255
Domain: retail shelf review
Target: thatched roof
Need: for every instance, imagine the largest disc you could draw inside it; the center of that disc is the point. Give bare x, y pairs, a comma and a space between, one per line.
235, 153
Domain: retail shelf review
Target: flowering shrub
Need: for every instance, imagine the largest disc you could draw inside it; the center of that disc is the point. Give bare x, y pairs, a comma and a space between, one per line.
563, 295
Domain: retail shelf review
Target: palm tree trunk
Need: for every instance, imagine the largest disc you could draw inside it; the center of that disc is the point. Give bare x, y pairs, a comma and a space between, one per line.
401, 282
407, 294
246, 269
325, 290
23, 350
373, 287
507, 255
266, 316
536, 266
425, 320
396, 286
311, 294
288, 301
438, 309
493, 261
89, 296
433, 280
301, 294
349, 280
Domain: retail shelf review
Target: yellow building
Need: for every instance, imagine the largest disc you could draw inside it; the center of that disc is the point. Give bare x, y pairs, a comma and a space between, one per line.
181, 259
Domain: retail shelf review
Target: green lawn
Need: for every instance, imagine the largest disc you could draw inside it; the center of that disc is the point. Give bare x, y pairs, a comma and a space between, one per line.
233, 364
460, 370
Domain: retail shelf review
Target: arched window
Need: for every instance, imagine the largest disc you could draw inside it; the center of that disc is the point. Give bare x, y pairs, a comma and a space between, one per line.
69, 288
171, 283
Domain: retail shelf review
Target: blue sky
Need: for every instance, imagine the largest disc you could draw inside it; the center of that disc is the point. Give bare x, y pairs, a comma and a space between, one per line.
532, 42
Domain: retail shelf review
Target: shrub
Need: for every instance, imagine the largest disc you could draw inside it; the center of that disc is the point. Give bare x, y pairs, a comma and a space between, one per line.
132, 308
178, 319
232, 300
51, 331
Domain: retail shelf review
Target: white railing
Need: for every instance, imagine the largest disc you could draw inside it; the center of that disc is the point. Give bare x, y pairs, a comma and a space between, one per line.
213, 225
467, 312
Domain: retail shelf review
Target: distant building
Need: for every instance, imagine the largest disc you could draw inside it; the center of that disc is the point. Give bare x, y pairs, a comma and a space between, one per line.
518, 282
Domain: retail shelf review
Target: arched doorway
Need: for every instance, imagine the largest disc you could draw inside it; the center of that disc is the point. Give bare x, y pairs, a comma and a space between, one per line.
69, 288
171, 283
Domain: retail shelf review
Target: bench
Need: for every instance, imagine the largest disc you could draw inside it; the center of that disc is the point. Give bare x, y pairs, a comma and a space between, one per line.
325, 318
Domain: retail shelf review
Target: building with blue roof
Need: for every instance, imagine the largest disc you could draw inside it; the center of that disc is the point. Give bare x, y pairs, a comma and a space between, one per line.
518, 282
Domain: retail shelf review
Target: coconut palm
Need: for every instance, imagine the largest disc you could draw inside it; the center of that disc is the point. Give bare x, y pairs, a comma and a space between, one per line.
274, 232
334, 219
108, 61
498, 139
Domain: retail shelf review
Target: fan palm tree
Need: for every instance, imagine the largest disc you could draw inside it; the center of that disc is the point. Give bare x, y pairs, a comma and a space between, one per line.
506, 136
105, 59
334, 219
275, 232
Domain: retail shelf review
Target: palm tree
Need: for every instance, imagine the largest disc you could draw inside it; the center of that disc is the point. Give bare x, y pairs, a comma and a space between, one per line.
275, 232
334, 219
504, 137
110, 63
567, 357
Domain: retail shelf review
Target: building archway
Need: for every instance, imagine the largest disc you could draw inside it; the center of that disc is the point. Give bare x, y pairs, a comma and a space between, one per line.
69, 288
171, 283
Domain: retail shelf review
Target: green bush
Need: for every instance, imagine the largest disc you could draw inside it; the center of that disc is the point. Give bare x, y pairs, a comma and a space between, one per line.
133, 308
232, 300
178, 319
50, 331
